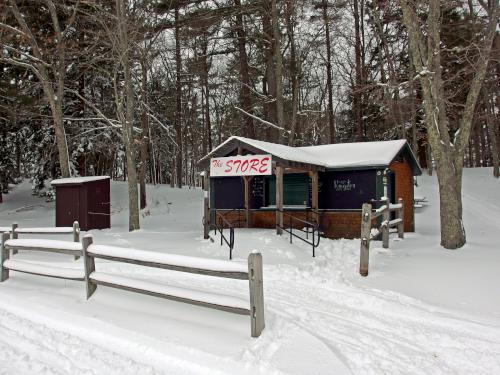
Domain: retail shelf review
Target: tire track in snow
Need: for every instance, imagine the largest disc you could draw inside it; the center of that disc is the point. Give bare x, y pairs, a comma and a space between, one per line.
375, 334
29, 348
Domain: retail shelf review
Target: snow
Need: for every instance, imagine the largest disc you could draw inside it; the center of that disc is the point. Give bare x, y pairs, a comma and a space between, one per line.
41, 230
421, 310
67, 273
194, 295
44, 244
339, 155
170, 259
358, 154
77, 180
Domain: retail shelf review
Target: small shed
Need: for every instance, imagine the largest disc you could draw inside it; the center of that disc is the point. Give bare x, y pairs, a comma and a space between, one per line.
85, 199
326, 183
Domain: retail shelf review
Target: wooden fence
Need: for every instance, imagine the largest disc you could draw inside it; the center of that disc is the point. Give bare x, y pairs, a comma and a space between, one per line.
51, 246
367, 234
209, 267
15, 231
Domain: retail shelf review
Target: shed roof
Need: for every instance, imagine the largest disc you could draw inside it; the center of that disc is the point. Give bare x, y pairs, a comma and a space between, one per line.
356, 155
77, 180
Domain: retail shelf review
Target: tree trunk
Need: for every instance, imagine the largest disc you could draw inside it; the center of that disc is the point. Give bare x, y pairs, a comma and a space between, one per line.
144, 144
127, 126
178, 100
450, 203
269, 79
329, 79
206, 103
491, 123
245, 94
357, 98
294, 69
278, 66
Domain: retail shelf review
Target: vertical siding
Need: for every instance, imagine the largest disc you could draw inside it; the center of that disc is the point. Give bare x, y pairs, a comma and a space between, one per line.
404, 189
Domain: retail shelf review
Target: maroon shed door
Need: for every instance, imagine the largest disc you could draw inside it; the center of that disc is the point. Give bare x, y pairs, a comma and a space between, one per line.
98, 204
67, 205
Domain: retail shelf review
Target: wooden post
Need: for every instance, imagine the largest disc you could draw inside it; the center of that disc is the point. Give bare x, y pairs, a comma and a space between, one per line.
14, 235
246, 180
88, 265
76, 235
256, 283
279, 199
4, 255
401, 215
364, 256
206, 207
314, 196
386, 217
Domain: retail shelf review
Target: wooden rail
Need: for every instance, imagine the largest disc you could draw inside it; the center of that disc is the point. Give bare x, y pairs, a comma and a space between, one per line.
367, 215
15, 231
252, 272
63, 247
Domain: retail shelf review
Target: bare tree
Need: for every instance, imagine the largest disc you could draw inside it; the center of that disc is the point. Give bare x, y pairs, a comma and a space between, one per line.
48, 65
447, 149
124, 97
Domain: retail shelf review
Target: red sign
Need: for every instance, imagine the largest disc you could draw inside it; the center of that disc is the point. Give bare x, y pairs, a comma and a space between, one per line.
248, 165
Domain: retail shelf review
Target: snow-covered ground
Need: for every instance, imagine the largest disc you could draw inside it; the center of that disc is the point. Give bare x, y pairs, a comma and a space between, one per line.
422, 309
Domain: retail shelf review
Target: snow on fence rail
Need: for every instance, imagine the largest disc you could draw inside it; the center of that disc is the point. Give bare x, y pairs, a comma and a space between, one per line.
209, 267
51, 246
15, 231
367, 215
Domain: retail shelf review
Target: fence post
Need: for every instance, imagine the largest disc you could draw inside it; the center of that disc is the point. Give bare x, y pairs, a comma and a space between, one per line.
386, 217
366, 221
256, 293
76, 235
14, 235
401, 215
89, 265
4, 255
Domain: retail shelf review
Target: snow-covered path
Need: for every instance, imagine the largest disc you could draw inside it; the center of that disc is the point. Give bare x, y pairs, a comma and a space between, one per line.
28, 347
377, 332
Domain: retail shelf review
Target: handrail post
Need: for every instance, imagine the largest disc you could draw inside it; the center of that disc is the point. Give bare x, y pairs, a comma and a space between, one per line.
4, 255
89, 265
386, 217
401, 225
364, 256
76, 235
256, 284
313, 243
14, 235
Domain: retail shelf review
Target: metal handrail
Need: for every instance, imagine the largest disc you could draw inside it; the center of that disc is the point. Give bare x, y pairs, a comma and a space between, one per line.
223, 238
315, 231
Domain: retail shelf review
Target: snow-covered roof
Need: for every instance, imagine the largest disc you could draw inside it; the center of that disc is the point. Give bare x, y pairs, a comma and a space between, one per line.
77, 180
330, 156
342, 155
